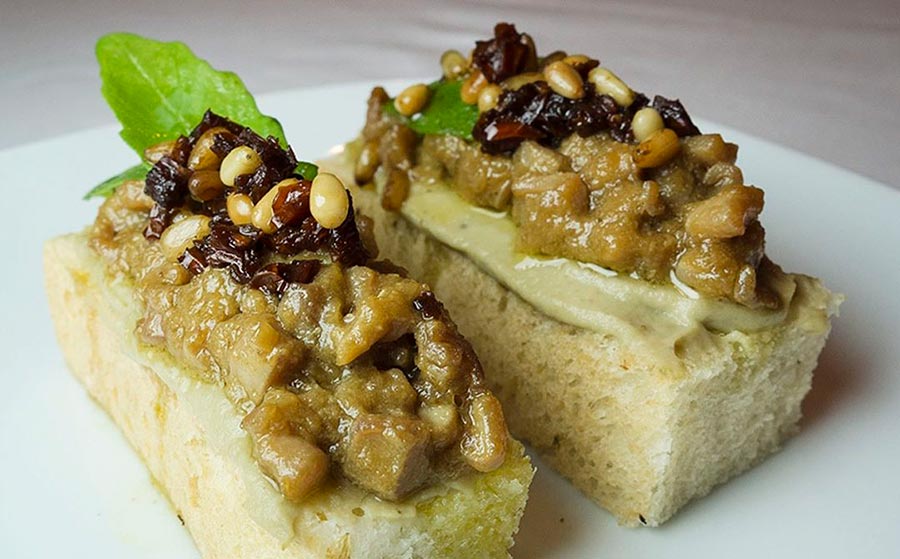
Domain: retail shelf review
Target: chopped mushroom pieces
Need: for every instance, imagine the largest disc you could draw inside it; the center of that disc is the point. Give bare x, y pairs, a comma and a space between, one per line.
586, 167
388, 454
259, 280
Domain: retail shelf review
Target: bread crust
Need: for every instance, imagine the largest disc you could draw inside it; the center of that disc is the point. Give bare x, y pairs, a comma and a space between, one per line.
638, 437
214, 492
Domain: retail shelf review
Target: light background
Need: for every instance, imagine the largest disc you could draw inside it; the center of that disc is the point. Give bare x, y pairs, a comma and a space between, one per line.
822, 76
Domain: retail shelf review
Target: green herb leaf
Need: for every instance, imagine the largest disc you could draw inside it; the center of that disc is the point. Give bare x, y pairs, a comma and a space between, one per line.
107, 187
307, 170
445, 113
160, 91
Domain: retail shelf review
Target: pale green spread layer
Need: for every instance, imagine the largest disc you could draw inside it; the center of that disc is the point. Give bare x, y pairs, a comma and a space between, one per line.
660, 318
220, 421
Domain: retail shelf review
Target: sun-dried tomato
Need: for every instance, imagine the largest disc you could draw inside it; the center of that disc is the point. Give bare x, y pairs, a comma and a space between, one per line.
166, 182
245, 250
427, 304
675, 116
507, 54
275, 278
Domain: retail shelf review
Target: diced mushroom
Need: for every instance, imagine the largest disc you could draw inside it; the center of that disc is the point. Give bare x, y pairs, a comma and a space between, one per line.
376, 391
723, 174
254, 352
296, 465
566, 190
376, 119
726, 214
388, 455
283, 429
381, 312
397, 149
533, 159
447, 363
709, 149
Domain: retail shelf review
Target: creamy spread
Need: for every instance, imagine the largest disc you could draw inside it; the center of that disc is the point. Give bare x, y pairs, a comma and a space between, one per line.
577, 293
657, 316
220, 422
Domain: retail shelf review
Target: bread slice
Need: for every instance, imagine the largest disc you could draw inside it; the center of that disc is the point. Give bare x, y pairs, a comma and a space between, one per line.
637, 435
188, 434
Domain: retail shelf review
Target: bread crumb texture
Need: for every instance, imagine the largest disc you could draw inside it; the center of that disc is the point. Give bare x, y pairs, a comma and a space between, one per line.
638, 437
199, 457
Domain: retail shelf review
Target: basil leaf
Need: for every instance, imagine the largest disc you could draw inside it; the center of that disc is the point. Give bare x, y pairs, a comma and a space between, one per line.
307, 170
107, 187
159, 91
445, 113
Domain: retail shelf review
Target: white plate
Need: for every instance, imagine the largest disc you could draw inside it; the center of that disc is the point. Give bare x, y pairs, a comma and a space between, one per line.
71, 486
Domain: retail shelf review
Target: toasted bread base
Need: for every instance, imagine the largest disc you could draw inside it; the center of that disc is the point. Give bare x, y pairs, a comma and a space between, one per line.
187, 433
638, 437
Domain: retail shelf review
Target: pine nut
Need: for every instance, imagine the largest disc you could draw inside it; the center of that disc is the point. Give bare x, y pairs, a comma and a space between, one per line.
157, 151
240, 208
328, 200
651, 199
607, 83
242, 160
472, 86
261, 218
657, 150
453, 64
205, 185
179, 236
412, 99
366, 163
574, 59
489, 97
553, 57
517, 81
484, 446
202, 156
564, 80
396, 189
645, 122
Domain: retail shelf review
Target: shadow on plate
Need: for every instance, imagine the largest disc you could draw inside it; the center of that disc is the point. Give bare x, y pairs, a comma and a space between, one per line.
550, 521
839, 376
557, 514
